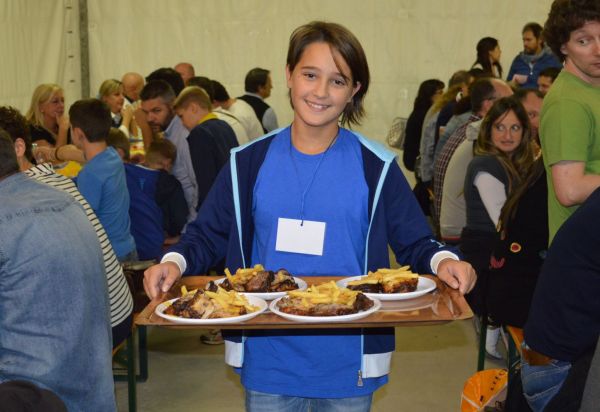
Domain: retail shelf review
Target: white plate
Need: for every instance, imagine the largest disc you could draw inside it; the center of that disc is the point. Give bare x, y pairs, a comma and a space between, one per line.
325, 319
269, 295
424, 286
262, 305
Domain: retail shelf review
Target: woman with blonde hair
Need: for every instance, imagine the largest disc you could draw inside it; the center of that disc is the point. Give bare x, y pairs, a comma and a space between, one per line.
48, 124
111, 93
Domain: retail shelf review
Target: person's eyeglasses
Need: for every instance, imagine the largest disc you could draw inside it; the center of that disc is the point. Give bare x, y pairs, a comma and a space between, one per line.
515, 128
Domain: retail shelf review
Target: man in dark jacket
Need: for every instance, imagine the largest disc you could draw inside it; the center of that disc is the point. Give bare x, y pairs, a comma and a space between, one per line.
534, 58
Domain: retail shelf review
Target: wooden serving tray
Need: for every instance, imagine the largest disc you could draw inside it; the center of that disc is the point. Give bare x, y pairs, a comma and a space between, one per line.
440, 306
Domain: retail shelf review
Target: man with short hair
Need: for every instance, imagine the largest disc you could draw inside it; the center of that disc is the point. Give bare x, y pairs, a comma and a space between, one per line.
564, 321
157, 103
132, 86
258, 87
54, 328
532, 100
546, 78
186, 70
570, 129
240, 109
535, 57
210, 138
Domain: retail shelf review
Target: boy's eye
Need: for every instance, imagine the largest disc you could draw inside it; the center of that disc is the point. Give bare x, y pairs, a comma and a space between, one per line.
309, 75
583, 42
339, 82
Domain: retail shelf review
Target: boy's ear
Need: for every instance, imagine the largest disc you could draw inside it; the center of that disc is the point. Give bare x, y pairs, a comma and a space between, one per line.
166, 164
20, 147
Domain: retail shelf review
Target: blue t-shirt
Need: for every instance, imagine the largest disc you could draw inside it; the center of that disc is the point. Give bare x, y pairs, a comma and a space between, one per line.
310, 363
145, 214
102, 183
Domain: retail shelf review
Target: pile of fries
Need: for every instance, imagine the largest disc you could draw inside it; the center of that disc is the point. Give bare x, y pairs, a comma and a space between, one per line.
386, 275
243, 275
326, 293
225, 303
399, 280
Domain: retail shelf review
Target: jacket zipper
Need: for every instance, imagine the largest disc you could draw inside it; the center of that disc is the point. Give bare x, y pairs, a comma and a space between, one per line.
360, 381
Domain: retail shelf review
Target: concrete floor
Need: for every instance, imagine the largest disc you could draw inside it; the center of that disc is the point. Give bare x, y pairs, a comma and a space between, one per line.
429, 369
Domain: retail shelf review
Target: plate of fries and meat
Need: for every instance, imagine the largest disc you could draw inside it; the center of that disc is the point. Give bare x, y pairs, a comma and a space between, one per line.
205, 307
258, 282
324, 303
390, 284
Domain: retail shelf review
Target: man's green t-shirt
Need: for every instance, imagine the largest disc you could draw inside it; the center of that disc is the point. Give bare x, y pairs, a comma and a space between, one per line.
569, 130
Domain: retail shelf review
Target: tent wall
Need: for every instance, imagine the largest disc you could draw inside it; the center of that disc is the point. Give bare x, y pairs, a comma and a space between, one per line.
406, 41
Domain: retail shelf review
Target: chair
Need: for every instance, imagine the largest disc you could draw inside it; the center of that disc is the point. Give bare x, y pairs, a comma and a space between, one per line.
515, 339
129, 361
514, 350
132, 271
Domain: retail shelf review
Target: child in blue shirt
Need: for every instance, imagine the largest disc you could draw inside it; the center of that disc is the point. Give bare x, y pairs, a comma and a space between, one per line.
315, 174
102, 180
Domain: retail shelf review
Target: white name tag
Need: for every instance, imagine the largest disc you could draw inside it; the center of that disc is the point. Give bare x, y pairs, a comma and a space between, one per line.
297, 237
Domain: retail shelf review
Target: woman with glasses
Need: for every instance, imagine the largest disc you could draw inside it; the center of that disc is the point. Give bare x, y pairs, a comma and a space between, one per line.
503, 154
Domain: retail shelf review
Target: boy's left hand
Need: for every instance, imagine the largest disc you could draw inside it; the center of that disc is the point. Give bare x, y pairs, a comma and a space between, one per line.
457, 274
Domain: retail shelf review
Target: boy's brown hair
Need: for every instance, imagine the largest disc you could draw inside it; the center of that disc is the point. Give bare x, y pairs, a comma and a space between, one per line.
117, 139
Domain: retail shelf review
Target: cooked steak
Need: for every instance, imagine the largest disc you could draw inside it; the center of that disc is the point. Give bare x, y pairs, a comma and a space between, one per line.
283, 281
294, 307
367, 287
403, 286
261, 282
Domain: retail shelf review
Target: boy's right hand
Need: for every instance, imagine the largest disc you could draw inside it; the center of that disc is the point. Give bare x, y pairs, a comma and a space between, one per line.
159, 278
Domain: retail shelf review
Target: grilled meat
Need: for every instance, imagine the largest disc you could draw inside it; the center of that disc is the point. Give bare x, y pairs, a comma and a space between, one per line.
260, 282
293, 306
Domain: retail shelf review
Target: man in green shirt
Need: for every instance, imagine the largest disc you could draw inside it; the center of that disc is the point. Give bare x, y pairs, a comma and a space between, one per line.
570, 126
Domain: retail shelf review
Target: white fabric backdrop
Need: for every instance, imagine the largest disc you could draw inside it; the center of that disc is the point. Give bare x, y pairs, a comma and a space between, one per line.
39, 44
406, 41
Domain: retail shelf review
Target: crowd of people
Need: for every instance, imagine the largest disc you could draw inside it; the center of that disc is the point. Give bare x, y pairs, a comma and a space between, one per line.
502, 166
170, 168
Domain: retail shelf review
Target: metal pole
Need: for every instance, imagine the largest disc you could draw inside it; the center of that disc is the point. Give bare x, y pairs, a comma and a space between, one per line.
84, 50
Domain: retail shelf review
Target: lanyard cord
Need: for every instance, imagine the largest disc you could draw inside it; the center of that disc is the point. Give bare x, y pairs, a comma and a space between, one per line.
313, 175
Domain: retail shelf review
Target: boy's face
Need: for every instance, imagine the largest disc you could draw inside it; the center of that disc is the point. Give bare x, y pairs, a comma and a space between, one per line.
582, 53
190, 115
319, 90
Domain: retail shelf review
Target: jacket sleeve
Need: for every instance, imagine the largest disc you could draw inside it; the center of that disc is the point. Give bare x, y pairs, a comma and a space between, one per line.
171, 200
205, 240
409, 234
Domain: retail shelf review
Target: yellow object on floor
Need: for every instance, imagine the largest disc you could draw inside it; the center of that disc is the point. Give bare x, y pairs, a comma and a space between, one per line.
484, 388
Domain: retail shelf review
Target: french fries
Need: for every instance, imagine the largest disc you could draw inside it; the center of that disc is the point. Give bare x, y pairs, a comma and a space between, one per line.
385, 275
231, 301
327, 293
242, 276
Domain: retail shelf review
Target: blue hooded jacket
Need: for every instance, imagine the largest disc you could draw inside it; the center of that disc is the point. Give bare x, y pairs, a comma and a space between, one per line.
224, 228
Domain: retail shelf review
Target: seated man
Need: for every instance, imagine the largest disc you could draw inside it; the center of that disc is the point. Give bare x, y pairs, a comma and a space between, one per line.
121, 301
54, 323
564, 318
210, 139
